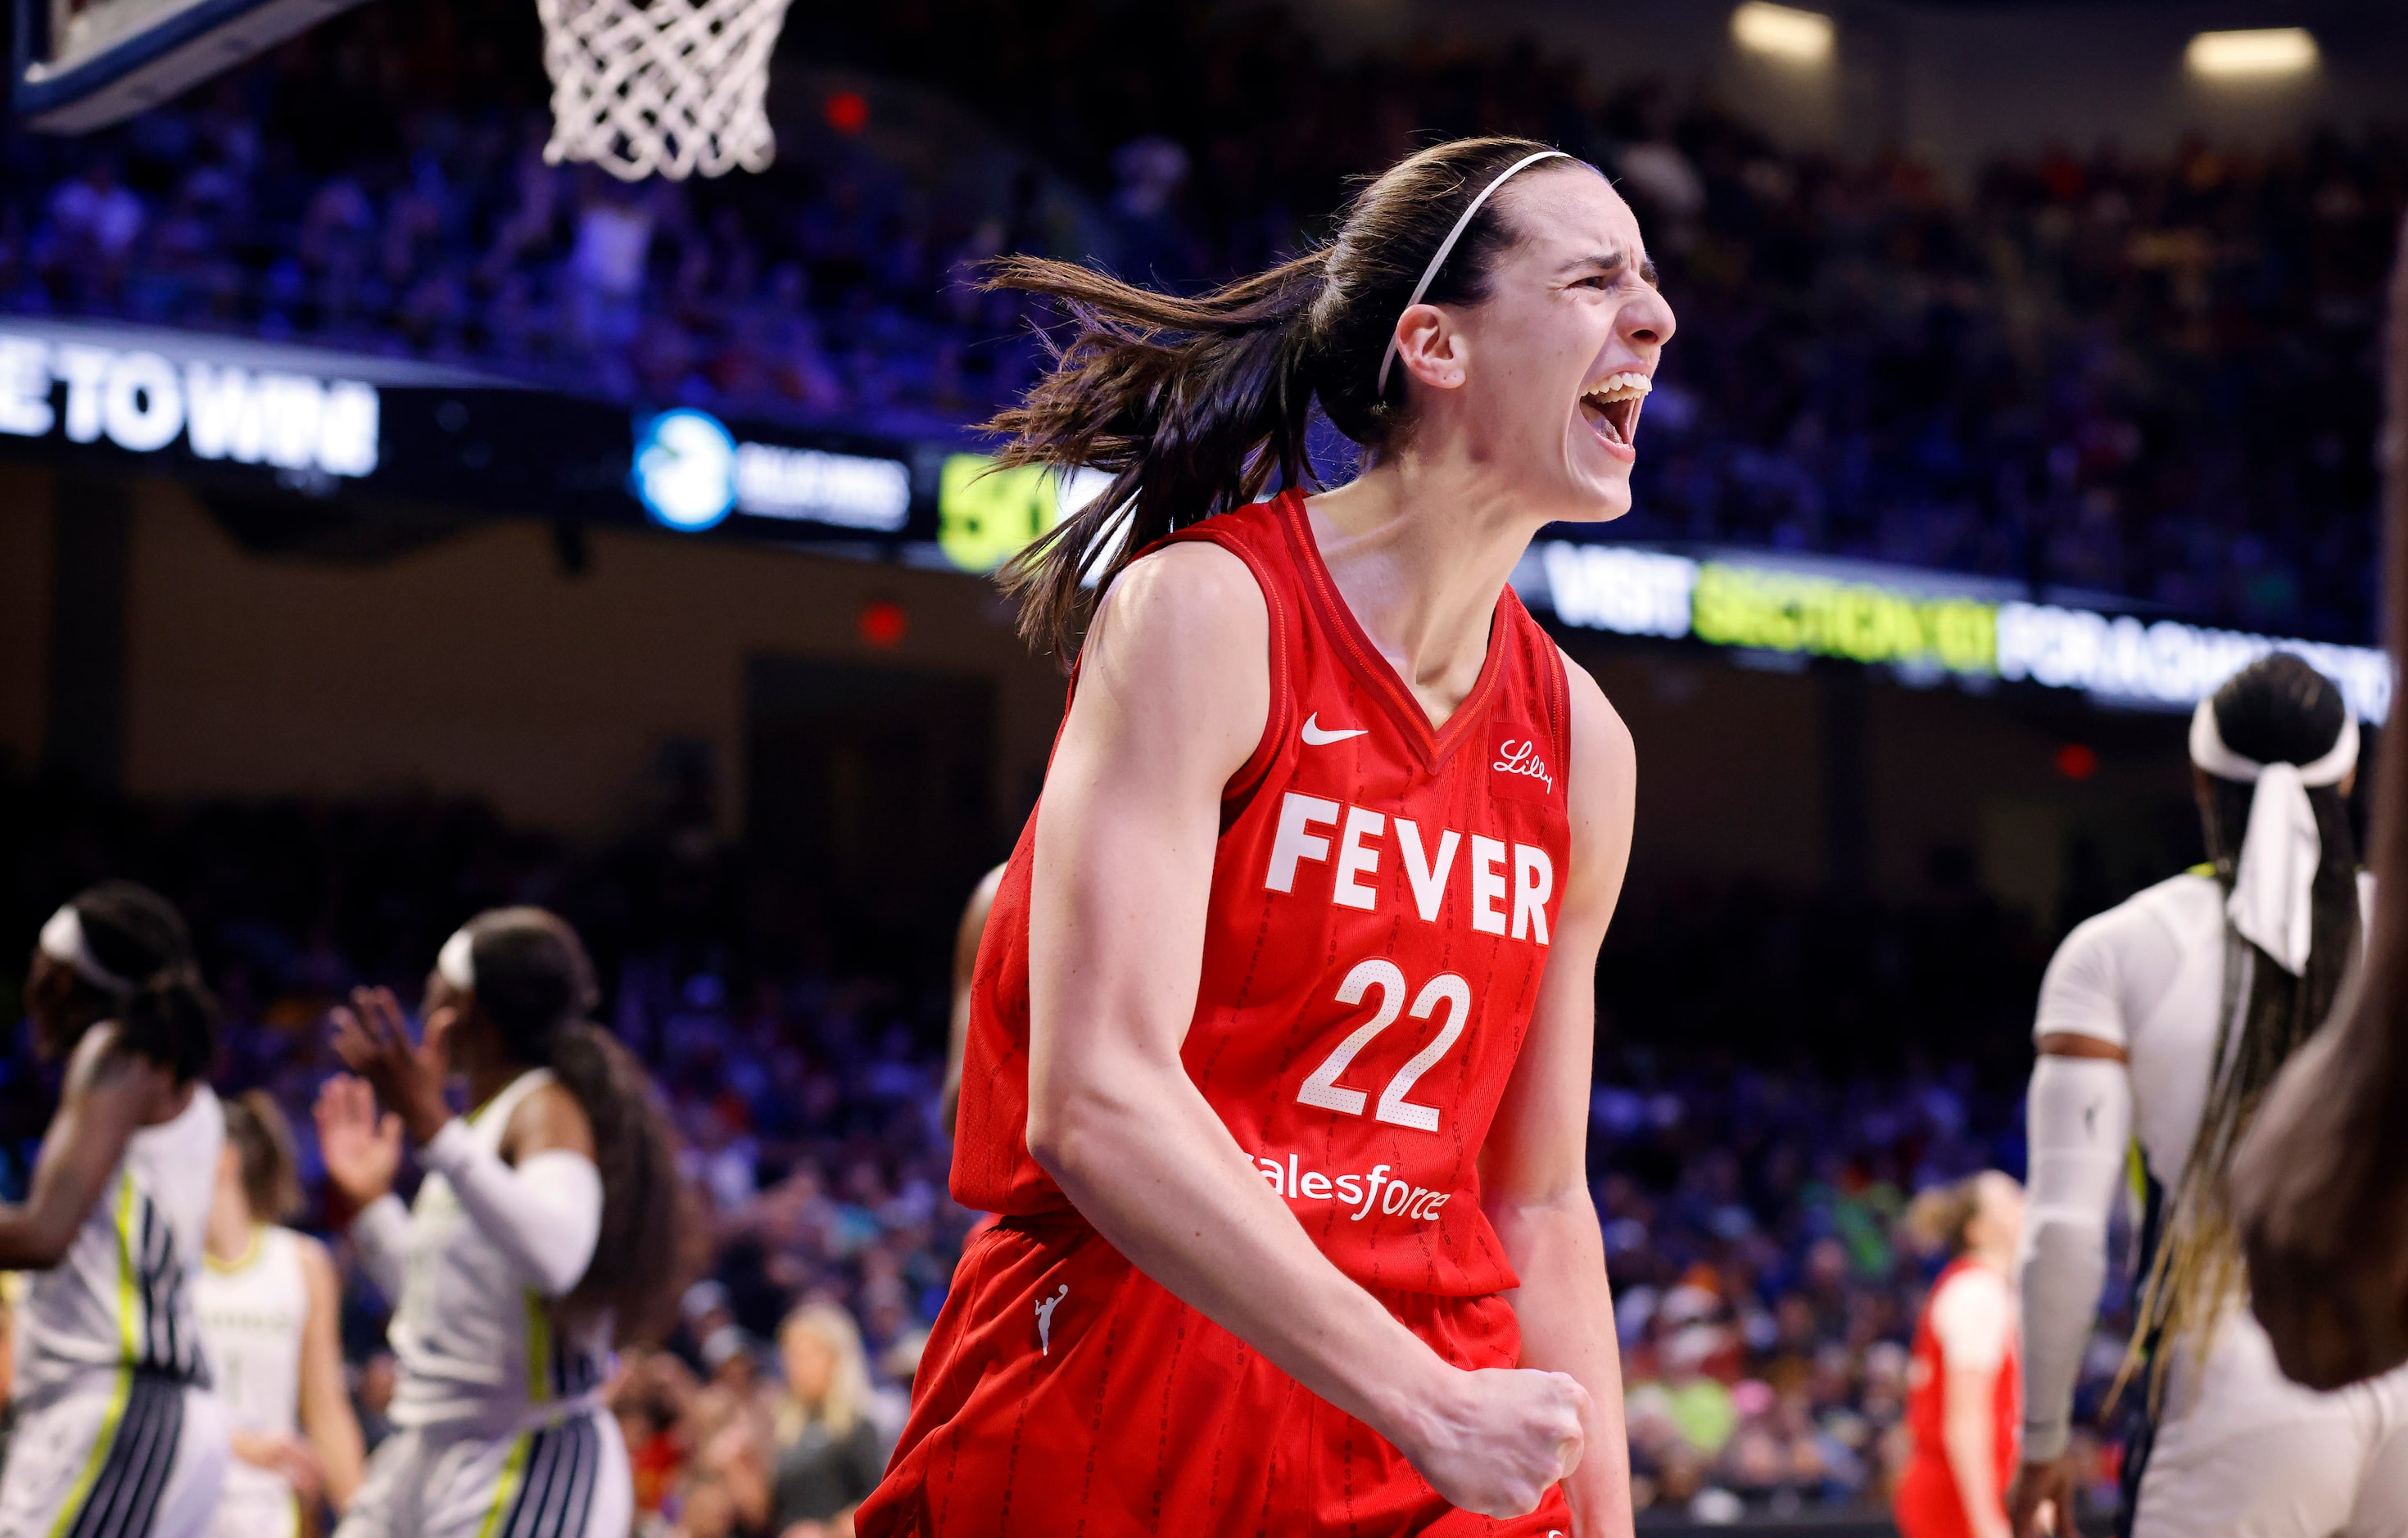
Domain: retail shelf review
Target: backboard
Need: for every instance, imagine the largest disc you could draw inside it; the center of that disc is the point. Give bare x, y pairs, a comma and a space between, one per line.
82, 65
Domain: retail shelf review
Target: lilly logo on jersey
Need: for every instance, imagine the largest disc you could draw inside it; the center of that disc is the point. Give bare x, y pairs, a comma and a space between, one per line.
1427, 871
1522, 758
1365, 1193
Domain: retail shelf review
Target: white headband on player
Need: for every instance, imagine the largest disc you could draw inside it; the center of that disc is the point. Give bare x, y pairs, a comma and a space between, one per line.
457, 962
2274, 879
1446, 248
63, 941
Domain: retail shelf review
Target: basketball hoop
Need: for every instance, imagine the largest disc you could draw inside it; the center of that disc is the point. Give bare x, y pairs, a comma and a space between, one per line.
661, 87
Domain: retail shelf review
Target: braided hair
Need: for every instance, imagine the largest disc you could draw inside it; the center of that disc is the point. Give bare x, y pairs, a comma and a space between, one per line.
164, 1012
2276, 711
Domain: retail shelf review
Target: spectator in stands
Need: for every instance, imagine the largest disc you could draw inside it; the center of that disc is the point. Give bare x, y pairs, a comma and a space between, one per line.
97, 218
830, 1452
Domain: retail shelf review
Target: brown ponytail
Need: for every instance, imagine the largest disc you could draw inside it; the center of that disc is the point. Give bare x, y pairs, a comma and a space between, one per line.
1193, 405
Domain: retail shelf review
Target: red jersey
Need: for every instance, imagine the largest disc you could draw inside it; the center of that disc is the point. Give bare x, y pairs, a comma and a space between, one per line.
1929, 1505
1382, 899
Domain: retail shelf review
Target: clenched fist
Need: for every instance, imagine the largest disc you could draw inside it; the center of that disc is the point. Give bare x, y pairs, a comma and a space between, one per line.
1500, 1438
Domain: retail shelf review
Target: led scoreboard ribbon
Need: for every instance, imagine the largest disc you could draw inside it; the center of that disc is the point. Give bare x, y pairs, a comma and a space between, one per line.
1927, 624
1912, 620
334, 426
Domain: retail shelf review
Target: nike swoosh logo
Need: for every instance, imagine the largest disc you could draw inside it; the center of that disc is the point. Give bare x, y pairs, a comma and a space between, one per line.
1314, 736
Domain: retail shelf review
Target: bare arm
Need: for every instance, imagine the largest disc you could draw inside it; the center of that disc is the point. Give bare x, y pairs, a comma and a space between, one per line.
326, 1418
108, 1095
1534, 1170
2066, 1044
965, 949
1172, 698
1967, 1427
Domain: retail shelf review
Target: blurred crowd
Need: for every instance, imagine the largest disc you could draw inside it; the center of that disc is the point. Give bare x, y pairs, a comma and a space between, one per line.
1749, 1177
1765, 1288
2151, 378
379, 185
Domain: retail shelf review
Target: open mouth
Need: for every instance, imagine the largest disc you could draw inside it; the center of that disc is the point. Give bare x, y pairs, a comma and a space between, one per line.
1612, 407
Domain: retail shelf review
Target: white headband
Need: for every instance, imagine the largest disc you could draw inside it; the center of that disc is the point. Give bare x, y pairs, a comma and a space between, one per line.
63, 941
457, 962
2274, 879
1447, 246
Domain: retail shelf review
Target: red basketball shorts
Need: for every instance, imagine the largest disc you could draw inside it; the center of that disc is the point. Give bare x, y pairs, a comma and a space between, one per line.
1064, 1394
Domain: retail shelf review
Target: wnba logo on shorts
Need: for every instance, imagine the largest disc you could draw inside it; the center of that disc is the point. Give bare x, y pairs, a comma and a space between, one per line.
1045, 1307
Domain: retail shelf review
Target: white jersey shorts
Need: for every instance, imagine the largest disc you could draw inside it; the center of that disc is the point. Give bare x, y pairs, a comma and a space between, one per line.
256, 1511
568, 1479
126, 1456
2243, 1452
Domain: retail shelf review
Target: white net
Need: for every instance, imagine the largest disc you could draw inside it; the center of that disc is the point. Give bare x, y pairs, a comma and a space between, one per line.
661, 87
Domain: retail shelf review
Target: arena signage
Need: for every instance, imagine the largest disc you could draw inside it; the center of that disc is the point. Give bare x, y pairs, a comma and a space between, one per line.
689, 472
2163, 660
1765, 607
240, 411
1776, 610
1915, 622
142, 400
985, 515
324, 422
848, 491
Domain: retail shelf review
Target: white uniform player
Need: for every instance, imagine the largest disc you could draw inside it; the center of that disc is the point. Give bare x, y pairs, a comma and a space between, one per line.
2236, 1448
252, 1312
500, 1427
119, 1434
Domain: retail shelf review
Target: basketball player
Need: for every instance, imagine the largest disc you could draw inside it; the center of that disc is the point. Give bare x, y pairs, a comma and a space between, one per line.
269, 1309
549, 1218
2171, 1014
2320, 1182
966, 935
119, 1433
1279, 1051
1961, 1404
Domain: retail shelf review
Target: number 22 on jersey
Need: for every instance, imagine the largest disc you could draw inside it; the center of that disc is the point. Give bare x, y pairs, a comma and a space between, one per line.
1445, 992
